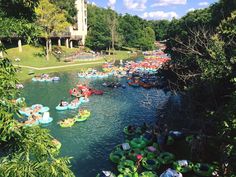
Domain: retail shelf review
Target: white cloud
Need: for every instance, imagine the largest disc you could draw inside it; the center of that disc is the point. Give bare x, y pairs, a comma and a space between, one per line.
92, 3
137, 5
111, 3
169, 2
158, 15
203, 3
191, 9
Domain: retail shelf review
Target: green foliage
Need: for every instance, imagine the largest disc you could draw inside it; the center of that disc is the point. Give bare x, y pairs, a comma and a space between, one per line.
50, 18
22, 8
29, 150
129, 31
202, 46
160, 28
69, 7
98, 31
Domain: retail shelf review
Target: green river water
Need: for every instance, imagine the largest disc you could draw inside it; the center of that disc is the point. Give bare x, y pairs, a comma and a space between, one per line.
90, 142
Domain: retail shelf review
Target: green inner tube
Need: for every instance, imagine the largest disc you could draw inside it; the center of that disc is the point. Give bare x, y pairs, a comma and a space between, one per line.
138, 143
166, 158
137, 131
80, 119
150, 164
126, 167
203, 169
148, 174
133, 155
170, 140
66, 125
116, 156
127, 132
183, 166
85, 114
129, 175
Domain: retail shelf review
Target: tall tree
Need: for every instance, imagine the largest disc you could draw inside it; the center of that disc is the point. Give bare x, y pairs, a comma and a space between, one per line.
52, 20
112, 21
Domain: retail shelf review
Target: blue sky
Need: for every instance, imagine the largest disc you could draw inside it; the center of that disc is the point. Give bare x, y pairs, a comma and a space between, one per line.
154, 9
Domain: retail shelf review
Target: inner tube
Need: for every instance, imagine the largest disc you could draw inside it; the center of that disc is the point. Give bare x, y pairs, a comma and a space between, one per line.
152, 151
150, 164
176, 134
106, 174
126, 167
46, 121
166, 158
127, 132
55, 78
44, 109
132, 155
97, 92
66, 124
20, 100
148, 174
183, 166
56, 144
129, 175
171, 173
74, 106
61, 108
25, 111
85, 114
32, 124
203, 169
116, 156
138, 143
83, 100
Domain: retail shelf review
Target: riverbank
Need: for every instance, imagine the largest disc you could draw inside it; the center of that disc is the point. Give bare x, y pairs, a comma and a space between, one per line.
29, 61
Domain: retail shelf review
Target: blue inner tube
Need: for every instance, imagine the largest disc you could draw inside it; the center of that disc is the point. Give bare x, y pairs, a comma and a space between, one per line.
46, 121
61, 108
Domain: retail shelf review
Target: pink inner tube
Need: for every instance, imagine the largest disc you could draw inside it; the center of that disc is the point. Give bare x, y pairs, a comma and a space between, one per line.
97, 92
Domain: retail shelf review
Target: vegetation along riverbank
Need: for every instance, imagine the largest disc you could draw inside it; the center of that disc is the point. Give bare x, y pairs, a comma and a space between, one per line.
176, 105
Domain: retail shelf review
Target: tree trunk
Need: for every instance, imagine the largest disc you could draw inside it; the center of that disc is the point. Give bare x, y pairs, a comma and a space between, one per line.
47, 49
109, 50
113, 40
1, 53
19, 45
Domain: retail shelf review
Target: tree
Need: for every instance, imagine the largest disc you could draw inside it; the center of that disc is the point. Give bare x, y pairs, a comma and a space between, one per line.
160, 27
147, 39
112, 21
69, 7
52, 21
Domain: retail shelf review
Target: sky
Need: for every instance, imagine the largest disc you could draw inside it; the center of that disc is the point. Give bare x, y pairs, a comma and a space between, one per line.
154, 9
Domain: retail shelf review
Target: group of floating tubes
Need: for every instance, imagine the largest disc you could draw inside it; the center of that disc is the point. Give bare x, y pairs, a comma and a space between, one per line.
148, 154
35, 109
45, 78
36, 114
83, 115
72, 105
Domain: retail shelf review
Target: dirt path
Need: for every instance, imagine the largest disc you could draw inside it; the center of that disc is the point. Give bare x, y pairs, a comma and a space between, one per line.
56, 67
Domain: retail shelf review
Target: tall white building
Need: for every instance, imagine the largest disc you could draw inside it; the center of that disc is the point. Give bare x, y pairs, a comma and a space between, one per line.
79, 30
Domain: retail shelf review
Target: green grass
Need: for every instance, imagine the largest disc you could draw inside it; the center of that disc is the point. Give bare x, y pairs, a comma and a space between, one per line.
29, 57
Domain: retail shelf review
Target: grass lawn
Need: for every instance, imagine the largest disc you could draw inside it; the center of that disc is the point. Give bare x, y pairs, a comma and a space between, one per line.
30, 57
